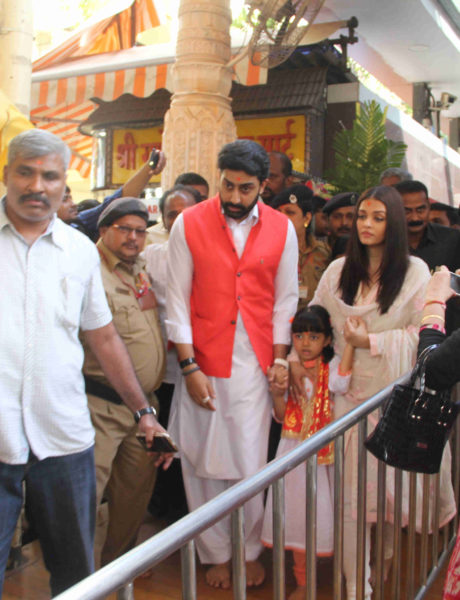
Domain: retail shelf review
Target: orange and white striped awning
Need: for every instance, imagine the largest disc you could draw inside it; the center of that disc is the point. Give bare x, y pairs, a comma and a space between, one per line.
101, 61
61, 95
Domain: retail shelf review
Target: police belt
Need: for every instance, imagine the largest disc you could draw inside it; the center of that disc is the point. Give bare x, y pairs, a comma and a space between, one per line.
96, 388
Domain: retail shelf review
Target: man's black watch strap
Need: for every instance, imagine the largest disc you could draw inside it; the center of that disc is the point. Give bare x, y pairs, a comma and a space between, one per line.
149, 410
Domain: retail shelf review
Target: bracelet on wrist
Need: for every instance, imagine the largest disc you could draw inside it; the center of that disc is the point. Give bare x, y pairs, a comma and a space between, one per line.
440, 302
148, 410
282, 362
187, 361
190, 371
434, 326
427, 317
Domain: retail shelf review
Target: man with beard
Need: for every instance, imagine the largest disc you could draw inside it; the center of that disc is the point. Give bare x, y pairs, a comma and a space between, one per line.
52, 290
279, 176
435, 244
232, 288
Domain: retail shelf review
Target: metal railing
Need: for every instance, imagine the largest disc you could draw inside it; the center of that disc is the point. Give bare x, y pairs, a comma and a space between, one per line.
119, 574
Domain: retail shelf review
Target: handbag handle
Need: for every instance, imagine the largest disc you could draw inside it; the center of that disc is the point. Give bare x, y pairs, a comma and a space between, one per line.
418, 371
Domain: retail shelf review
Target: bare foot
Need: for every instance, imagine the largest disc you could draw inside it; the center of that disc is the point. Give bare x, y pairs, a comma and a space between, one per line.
255, 573
218, 576
298, 593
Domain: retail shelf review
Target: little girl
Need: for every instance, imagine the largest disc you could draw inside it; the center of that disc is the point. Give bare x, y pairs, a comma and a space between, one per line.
311, 339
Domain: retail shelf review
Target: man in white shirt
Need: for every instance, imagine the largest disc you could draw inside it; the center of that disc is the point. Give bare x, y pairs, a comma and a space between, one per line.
51, 288
232, 288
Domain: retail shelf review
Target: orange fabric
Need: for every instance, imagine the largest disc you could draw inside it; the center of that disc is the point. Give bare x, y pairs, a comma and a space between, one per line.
302, 420
162, 71
452, 582
139, 82
253, 77
299, 567
109, 34
223, 284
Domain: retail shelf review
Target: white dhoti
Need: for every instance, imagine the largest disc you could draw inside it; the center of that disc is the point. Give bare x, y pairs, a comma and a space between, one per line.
219, 448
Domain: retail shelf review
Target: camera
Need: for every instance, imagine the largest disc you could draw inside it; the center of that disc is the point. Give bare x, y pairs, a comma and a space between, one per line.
447, 99
154, 158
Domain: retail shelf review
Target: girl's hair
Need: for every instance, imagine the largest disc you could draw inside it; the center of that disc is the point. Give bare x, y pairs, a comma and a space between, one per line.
395, 260
316, 319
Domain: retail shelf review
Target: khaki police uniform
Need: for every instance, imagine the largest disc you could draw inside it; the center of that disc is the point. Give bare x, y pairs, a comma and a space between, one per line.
125, 474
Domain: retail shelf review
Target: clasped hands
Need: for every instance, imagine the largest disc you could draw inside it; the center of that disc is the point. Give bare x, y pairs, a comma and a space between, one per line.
355, 333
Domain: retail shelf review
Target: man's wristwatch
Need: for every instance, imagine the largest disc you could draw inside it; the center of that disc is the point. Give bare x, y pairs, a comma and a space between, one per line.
149, 410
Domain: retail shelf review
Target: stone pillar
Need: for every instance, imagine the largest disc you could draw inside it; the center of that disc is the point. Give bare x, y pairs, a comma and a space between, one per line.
200, 120
16, 39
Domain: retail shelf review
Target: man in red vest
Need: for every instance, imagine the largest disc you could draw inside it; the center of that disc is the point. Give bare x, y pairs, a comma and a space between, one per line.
232, 288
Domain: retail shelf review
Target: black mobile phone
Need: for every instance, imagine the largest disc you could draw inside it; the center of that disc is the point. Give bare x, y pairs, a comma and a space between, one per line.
162, 442
154, 158
455, 282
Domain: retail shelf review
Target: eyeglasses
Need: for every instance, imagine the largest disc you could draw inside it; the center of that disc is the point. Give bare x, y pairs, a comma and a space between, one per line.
129, 230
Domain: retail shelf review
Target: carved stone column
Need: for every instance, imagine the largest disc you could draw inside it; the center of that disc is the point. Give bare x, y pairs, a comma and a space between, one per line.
200, 120
16, 39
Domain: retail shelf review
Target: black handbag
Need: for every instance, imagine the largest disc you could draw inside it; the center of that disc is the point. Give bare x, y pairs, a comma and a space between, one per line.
415, 424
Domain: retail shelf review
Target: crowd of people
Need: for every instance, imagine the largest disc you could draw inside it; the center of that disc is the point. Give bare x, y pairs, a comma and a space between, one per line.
251, 317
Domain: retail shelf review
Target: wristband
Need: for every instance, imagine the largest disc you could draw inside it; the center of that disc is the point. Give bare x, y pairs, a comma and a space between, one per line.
148, 410
443, 304
186, 373
187, 361
434, 326
282, 362
432, 317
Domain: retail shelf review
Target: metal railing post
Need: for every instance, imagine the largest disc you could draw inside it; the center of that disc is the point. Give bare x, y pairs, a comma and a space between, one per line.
435, 521
411, 536
361, 524
188, 569
279, 576
397, 540
238, 555
310, 522
381, 505
338, 517
425, 517
126, 592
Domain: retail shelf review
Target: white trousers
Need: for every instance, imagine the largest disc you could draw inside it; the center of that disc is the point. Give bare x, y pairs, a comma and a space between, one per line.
214, 545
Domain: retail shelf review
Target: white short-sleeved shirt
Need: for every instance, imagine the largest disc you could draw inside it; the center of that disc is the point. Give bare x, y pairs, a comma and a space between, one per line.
49, 290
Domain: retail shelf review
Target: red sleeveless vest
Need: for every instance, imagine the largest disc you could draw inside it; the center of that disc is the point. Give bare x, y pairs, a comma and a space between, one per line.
223, 284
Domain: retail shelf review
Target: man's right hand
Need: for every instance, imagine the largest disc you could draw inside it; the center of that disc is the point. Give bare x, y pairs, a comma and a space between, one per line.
200, 390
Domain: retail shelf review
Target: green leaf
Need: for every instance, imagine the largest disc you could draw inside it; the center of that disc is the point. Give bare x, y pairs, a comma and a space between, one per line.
363, 152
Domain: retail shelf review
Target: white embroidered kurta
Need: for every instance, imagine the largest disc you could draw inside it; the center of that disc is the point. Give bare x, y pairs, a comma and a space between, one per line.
230, 443
295, 487
155, 257
393, 339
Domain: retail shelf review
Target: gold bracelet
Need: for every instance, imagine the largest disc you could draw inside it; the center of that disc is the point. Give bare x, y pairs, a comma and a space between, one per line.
432, 317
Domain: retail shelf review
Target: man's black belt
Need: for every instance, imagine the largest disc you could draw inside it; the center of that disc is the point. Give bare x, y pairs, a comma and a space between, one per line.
96, 388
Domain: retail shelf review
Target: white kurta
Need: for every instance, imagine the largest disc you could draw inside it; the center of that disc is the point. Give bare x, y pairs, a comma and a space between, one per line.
295, 487
155, 264
230, 443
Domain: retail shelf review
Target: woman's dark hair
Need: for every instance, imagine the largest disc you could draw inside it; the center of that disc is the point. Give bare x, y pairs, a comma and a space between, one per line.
245, 155
316, 319
395, 260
